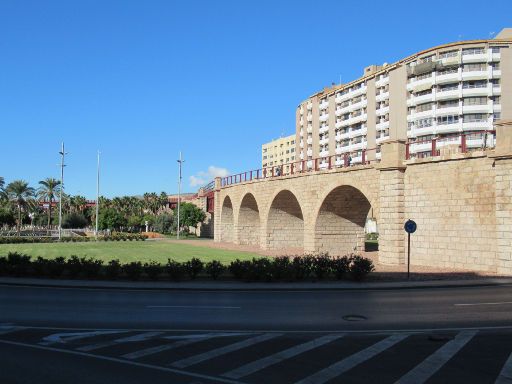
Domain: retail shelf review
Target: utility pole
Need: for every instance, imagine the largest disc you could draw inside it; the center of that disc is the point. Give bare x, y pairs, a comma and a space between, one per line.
62, 165
97, 196
180, 162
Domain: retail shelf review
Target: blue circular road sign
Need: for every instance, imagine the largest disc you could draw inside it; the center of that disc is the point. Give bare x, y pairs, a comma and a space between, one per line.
410, 226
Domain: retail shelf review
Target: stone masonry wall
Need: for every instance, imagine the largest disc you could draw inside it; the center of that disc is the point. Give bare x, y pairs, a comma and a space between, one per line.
453, 204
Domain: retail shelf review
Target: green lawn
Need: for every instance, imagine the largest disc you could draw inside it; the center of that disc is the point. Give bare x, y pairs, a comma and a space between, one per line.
127, 251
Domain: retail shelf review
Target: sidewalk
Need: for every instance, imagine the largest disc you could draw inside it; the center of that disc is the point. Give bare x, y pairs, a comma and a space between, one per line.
242, 286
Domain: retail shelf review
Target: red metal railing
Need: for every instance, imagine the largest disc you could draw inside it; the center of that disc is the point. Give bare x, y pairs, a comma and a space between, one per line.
466, 142
301, 166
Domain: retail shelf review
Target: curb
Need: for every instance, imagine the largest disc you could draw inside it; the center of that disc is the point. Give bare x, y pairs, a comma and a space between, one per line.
256, 287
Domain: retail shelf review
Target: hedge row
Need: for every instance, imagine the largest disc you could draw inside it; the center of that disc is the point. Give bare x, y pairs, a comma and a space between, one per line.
283, 268
78, 239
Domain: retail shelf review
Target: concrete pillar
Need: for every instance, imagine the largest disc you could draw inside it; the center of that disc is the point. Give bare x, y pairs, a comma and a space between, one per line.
503, 173
391, 196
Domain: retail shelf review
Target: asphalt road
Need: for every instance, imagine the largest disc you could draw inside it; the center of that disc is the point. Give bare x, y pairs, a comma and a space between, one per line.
245, 310
458, 335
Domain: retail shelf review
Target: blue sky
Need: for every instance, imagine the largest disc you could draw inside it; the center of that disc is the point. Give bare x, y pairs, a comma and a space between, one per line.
142, 80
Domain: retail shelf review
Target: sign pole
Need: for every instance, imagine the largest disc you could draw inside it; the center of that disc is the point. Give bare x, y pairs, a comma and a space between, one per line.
408, 254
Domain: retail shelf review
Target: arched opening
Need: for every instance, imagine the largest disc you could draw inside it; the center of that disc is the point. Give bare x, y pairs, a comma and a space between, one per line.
226, 221
285, 225
341, 220
249, 221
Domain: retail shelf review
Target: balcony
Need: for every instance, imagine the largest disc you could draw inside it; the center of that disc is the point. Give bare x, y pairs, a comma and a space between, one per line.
382, 96
423, 131
448, 78
381, 126
323, 129
475, 75
355, 119
475, 58
342, 136
448, 128
485, 108
422, 83
483, 91
354, 93
324, 141
448, 94
338, 124
420, 115
358, 105
310, 117
324, 105
424, 98
301, 132
455, 110
357, 132
301, 156
310, 106
309, 152
324, 117
310, 140
310, 129
477, 126
379, 140
324, 153
341, 150
301, 144
382, 82
382, 111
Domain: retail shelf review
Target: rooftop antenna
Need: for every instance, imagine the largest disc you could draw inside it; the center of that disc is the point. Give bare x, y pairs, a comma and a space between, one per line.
62, 165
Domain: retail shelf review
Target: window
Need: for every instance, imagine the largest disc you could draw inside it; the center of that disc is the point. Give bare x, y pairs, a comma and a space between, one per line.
474, 67
496, 99
495, 65
497, 116
495, 83
495, 49
450, 119
474, 84
448, 104
292, 150
423, 123
265, 157
475, 118
264, 150
424, 76
427, 59
446, 54
424, 107
475, 101
472, 51
425, 92
292, 142
449, 87
448, 71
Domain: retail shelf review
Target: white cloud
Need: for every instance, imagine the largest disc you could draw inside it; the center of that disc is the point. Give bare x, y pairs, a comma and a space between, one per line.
202, 177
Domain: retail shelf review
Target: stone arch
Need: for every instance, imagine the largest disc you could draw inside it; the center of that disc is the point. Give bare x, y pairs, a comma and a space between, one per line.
340, 221
285, 223
249, 226
227, 226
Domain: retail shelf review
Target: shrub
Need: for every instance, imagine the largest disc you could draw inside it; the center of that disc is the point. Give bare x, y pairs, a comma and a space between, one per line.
193, 267
18, 264
239, 268
175, 269
321, 265
360, 267
91, 267
39, 266
55, 267
3, 266
302, 266
340, 266
113, 269
133, 270
153, 270
260, 269
74, 220
74, 266
282, 268
214, 268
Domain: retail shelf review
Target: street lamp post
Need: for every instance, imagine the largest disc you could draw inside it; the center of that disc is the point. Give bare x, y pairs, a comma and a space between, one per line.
180, 162
62, 165
97, 196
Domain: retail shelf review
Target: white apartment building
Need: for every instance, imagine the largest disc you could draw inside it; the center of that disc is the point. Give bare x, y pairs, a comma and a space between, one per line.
441, 92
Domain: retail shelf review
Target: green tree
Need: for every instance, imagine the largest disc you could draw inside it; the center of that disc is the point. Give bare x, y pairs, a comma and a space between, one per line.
163, 223
110, 218
74, 220
190, 215
20, 194
48, 190
77, 203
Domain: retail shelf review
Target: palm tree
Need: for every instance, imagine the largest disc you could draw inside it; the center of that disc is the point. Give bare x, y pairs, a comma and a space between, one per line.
48, 190
2, 191
19, 193
78, 203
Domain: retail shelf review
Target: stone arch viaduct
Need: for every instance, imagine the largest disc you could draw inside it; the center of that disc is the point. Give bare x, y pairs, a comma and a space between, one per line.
462, 203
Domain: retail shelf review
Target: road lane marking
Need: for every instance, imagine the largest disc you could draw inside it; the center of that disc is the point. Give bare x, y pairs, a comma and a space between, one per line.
224, 350
505, 376
475, 304
193, 306
139, 337
121, 361
73, 336
423, 371
265, 362
5, 329
350, 362
217, 334
166, 347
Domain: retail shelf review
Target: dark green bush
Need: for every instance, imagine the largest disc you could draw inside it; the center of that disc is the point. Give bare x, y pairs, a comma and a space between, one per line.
303, 266
214, 268
340, 266
4, 270
56, 267
175, 269
113, 269
360, 267
282, 268
240, 269
153, 270
321, 266
193, 267
18, 264
133, 270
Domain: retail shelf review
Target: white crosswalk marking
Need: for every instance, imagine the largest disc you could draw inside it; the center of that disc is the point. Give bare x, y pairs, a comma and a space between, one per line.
350, 362
165, 347
73, 336
139, 337
260, 364
434, 362
223, 350
505, 376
